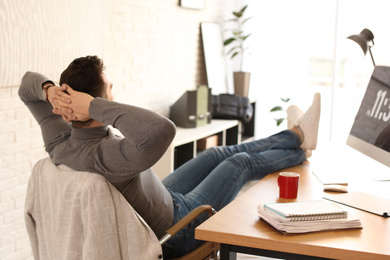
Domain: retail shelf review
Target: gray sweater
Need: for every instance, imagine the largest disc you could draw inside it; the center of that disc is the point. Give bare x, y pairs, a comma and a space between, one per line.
124, 161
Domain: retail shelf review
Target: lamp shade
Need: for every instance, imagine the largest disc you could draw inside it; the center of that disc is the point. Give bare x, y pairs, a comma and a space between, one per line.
365, 39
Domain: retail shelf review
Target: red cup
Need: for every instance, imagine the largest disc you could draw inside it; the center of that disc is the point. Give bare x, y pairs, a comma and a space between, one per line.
288, 185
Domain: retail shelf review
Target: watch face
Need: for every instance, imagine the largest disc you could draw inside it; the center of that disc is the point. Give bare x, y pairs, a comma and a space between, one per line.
372, 122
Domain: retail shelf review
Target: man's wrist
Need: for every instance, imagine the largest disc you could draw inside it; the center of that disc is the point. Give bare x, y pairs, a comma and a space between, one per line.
46, 87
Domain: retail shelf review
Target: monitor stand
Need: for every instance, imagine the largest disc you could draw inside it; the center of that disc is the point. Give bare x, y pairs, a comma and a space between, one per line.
373, 169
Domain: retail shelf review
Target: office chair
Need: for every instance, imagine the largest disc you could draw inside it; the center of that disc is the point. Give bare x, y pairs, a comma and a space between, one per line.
80, 215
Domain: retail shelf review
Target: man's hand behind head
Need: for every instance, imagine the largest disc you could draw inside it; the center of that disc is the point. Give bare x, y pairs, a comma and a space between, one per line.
70, 104
59, 100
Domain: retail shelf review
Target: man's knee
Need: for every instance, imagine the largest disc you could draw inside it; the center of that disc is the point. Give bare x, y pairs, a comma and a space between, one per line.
240, 160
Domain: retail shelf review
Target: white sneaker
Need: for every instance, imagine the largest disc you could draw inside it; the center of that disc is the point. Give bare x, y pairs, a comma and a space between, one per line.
308, 123
293, 114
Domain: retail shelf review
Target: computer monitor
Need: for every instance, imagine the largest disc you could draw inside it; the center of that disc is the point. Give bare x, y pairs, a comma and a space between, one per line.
370, 133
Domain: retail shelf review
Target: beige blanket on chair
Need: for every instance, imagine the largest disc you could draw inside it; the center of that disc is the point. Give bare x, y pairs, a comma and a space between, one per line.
80, 215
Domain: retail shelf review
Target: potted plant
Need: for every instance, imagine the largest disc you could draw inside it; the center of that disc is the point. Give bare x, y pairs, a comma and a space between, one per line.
236, 40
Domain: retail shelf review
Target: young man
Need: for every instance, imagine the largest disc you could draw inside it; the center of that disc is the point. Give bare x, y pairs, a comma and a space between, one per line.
88, 144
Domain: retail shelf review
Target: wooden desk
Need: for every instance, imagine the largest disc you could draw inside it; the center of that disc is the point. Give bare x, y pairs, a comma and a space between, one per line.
238, 228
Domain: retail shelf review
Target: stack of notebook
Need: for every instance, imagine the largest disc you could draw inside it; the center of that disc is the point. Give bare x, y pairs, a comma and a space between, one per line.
304, 217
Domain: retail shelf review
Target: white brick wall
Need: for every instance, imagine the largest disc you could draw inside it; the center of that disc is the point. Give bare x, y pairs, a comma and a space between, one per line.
152, 51
20, 147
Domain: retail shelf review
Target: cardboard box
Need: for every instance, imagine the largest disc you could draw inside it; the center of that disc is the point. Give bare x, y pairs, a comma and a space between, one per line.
207, 142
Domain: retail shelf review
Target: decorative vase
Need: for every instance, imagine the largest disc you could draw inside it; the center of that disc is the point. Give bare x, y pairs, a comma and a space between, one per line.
241, 83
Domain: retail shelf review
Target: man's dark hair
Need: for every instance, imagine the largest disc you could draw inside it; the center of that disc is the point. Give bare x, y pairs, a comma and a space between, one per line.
85, 75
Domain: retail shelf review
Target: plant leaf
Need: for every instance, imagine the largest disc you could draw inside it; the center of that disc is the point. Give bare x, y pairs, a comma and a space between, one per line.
232, 49
232, 20
277, 108
285, 99
237, 14
243, 9
228, 41
279, 121
244, 37
234, 54
246, 20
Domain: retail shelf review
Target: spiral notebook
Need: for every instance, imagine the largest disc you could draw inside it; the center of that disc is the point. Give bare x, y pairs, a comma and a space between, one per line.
304, 217
308, 210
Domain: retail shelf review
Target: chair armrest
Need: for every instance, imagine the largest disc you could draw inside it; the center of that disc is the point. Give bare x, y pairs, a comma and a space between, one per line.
187, 220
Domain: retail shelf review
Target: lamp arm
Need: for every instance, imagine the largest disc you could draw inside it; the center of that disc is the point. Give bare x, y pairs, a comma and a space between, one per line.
372, 58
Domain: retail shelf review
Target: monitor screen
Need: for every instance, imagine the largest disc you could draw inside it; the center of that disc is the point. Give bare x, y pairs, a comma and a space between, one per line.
370, 133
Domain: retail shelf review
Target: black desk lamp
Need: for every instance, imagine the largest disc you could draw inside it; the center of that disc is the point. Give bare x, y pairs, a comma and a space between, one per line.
365, 40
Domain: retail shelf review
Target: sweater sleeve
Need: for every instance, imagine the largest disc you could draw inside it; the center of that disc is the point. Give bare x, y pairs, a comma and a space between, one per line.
147, 135
53, 127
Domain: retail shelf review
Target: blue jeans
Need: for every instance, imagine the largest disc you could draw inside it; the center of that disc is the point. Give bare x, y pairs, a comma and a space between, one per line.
216, 176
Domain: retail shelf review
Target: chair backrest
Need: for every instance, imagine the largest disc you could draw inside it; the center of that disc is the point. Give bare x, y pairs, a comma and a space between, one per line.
80, 215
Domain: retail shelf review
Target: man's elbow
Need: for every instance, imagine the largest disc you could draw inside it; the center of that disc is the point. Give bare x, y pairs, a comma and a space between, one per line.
171, 130
164, 134
26, 82
23, 87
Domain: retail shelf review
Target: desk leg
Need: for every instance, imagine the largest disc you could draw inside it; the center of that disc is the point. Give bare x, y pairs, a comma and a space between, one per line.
226, 254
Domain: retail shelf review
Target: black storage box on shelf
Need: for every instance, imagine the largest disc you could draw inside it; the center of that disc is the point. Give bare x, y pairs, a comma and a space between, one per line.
229, 106
192, 109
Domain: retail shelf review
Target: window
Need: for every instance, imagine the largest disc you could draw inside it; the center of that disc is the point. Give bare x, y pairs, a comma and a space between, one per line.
300, 47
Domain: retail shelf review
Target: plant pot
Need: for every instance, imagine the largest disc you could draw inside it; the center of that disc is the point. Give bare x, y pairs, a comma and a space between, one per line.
241, 83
